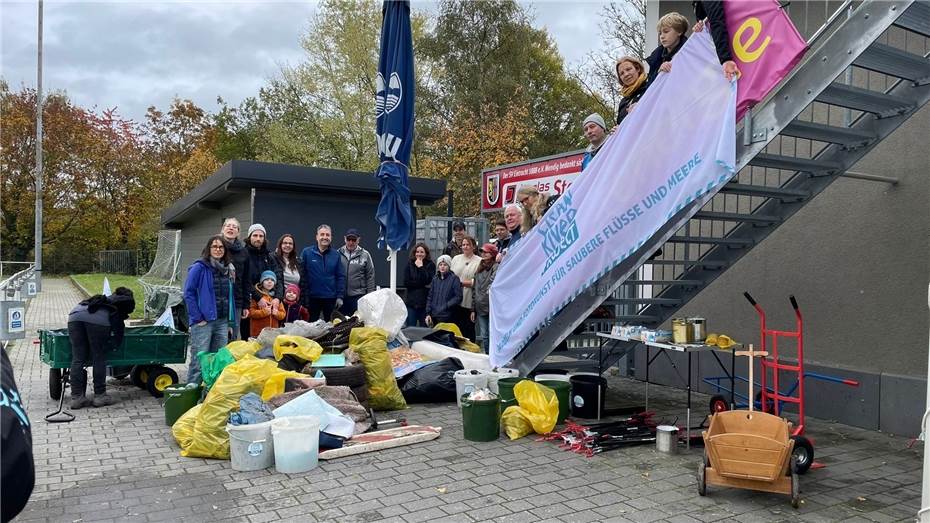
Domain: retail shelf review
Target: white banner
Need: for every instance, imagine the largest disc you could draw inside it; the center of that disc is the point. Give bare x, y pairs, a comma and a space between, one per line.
676, 146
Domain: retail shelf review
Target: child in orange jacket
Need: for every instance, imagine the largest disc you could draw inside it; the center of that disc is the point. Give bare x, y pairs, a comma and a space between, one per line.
261, 314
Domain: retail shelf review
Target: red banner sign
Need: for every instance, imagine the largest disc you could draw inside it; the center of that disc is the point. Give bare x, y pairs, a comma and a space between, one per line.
552, 174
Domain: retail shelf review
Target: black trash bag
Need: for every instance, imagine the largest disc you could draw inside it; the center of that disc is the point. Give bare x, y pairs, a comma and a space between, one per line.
442, 337
434, 383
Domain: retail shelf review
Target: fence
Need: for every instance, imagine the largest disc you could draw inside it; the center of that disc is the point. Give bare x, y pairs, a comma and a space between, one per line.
434, 231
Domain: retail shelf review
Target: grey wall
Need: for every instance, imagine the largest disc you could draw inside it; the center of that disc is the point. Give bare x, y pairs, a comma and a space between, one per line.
300, 213
209, 222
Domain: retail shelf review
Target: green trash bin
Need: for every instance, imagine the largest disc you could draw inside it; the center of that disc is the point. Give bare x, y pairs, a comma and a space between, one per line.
505, 389
481, 419
178, 400
563, 391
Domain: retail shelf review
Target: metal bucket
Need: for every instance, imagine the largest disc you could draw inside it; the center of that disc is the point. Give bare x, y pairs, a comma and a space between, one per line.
698, 329
667, 439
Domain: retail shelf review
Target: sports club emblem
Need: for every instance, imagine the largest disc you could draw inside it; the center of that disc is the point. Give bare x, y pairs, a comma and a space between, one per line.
387, 98
493, 189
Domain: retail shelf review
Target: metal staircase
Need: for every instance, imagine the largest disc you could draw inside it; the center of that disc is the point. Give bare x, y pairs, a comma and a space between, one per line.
858, 82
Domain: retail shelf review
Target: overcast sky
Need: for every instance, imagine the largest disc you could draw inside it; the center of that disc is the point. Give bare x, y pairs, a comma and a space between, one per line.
131, 54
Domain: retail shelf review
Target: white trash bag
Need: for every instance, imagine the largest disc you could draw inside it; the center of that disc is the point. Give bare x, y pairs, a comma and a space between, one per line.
383, 308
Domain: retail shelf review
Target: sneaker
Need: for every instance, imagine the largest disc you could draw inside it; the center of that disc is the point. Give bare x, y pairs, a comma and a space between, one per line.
102, 400
79, 402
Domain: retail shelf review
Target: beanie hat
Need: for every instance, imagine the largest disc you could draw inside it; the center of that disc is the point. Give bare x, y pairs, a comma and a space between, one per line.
290, 287
445, 258
593, 117
268, 275
489, 247
259, 227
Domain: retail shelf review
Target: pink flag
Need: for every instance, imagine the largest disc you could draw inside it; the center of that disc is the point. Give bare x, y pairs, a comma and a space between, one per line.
765, 46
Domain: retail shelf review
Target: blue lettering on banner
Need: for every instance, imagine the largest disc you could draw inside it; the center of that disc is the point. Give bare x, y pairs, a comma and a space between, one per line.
558, 229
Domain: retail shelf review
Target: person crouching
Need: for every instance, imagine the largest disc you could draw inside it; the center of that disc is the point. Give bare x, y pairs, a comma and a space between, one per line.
262, 311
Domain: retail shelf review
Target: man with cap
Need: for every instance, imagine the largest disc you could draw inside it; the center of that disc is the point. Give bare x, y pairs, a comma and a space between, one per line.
258, 260
454, 248
595, 131
359, 269
325, 285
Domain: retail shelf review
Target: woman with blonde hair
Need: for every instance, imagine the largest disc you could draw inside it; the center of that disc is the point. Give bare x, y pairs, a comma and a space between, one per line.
631, 72
535, 205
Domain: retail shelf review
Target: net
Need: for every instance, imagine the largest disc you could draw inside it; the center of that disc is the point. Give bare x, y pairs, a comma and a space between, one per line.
161, 284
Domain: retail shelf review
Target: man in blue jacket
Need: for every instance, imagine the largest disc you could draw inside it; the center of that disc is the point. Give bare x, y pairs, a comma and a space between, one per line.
324, 287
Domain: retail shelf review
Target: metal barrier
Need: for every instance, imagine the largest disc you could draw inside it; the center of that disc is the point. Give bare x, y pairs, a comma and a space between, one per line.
14, 291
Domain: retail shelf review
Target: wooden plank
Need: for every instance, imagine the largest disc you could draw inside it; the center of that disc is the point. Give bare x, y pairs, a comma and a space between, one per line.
782, 485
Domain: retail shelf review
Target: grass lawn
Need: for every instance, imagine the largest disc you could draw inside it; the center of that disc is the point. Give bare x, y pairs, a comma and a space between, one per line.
94, 284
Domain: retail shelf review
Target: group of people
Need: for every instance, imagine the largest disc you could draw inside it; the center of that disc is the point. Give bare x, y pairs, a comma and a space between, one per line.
236, 289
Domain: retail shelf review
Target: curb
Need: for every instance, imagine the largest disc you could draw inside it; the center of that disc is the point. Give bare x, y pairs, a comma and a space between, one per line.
80, 287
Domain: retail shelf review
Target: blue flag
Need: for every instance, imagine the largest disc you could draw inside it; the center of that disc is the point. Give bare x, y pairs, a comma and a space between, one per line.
394, 94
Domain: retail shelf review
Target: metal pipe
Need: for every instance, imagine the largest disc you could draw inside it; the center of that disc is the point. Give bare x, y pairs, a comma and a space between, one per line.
39, 170
870, 177
836, 14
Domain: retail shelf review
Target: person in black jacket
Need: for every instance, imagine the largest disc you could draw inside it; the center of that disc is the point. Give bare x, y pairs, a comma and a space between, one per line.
258, 260
92, 324
417, 276
633, 84
712, 12
16, 462
672, 28
445, 293
237, 256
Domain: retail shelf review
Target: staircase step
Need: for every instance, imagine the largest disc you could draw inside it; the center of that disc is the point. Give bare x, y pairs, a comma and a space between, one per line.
828, 133
737, 217
647, 301
625, 318
765, 191
683, 283
864, 100
707, 264
711, 240
888, 60
790, 163
916, 18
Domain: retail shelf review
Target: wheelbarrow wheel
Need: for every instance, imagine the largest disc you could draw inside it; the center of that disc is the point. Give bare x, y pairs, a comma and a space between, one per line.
718, 404
702, 477
160, 378
139, 376
55, 383
795, 484
803, 454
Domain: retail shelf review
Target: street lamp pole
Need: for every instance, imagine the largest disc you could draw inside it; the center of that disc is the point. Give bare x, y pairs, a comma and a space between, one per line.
39, 170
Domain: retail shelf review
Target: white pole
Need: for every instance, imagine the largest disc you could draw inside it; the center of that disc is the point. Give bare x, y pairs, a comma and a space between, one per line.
39, 169
924, 515
392, 255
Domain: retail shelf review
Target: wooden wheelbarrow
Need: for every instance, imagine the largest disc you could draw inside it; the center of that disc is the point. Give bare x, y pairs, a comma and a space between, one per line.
749, 450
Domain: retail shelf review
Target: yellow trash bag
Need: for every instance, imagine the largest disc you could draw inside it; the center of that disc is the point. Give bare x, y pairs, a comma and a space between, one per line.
299, 346
463, 342
515, 423
370, 343
240, 348
539, 405
275, 384
210, 439
183, 428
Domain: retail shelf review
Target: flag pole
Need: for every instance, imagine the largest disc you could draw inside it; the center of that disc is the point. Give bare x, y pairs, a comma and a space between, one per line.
392, 255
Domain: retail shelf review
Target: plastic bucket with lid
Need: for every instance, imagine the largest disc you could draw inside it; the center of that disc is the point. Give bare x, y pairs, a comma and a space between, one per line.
551, 377
505, 387
588, 396
481, 419
469, 380
251, 447
178, 400
496, 375
296, 443
563, 391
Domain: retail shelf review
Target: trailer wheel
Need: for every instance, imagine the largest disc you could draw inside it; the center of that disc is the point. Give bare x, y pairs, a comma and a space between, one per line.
139, 376
160, 378
702, 478
55, 384
802, 455
795, 483
718, 404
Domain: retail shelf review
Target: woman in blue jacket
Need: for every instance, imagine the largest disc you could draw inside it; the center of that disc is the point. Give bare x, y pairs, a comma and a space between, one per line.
445, 293
210, 299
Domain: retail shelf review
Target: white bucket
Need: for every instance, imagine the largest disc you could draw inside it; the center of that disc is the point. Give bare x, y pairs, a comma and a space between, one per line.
551, 377
495, 375
296, 443
467, 381
251, 447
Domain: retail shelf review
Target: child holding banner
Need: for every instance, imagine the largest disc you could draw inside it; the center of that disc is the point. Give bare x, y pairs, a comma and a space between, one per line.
672, 28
